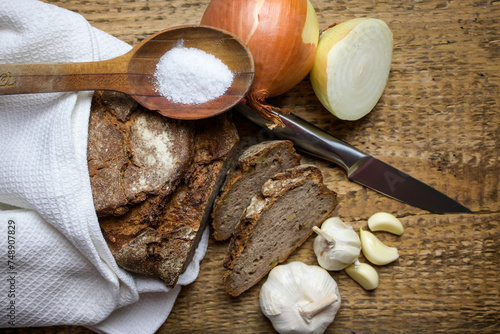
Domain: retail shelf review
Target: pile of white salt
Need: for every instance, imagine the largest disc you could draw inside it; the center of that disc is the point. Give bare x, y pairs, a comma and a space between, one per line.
191, 76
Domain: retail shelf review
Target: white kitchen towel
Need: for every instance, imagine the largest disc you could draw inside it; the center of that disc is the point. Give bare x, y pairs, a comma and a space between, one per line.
55, 266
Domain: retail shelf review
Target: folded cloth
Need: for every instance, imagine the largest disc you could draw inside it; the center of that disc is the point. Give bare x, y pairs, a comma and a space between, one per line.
55, 266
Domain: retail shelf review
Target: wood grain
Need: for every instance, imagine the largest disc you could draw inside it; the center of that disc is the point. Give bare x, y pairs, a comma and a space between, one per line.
437, 120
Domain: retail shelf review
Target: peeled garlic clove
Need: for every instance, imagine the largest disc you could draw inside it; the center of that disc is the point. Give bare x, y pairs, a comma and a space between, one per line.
337, 244
375, 250
364, 274
382, 221
299, 298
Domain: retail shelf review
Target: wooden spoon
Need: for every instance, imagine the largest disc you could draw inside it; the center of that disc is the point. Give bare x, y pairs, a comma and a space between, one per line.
133, 72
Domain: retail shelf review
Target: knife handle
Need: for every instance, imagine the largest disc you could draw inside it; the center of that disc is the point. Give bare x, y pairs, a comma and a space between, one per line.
309, 138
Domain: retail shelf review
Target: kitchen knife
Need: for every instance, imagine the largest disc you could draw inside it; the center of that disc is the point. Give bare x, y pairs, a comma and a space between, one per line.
361, 167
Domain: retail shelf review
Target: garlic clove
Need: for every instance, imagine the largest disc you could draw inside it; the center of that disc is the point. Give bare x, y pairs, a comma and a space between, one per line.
375, 250
364, 274
299, 298
337, 244
383, 221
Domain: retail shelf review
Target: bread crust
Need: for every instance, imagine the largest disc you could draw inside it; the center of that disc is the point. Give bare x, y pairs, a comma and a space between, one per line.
133, 153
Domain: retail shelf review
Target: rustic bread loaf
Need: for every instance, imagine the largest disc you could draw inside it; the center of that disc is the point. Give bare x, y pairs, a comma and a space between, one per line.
133, 153
156, 231
254, 167
277, 221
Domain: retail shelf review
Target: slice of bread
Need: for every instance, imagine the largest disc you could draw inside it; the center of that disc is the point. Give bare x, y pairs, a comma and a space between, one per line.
278, 220
254, 167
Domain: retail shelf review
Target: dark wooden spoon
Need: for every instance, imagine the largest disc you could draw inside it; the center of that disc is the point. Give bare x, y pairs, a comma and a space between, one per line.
133, 72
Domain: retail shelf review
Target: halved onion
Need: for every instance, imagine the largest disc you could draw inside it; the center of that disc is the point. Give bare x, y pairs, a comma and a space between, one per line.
352, 66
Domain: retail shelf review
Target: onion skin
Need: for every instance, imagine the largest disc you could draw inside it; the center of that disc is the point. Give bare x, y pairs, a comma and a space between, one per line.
282, 36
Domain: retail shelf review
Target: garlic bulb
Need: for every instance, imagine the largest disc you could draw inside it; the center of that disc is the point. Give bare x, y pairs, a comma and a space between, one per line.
299, 298
337, 244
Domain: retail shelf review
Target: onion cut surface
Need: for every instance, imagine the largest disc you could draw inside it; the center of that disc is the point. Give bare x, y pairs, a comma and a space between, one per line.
352, 66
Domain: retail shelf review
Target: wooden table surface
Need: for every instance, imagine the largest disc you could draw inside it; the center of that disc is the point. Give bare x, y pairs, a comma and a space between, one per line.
438, 120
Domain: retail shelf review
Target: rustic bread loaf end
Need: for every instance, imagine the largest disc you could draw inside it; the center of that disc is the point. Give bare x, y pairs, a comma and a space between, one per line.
133, 153
278, 220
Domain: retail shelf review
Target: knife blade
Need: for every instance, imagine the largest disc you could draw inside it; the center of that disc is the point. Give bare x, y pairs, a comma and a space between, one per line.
360, 167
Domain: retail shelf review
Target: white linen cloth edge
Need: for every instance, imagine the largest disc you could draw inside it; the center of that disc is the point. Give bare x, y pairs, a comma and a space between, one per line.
65, 274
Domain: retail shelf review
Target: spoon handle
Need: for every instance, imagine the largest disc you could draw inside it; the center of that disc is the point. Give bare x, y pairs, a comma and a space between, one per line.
62, 77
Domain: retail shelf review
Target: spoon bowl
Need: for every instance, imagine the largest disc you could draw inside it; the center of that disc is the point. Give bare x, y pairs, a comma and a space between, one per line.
133, 72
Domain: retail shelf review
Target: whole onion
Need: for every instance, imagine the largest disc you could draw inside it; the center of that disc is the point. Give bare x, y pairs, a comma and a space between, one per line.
282, 36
